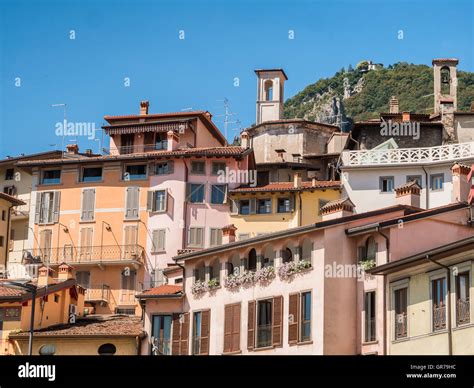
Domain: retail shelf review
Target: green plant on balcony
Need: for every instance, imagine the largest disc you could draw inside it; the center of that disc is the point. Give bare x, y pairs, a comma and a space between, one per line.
367, 263
213, 283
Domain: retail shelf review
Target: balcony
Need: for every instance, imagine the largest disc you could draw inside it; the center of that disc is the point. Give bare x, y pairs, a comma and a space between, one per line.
463, 311
99, 293
439, 317
401, 326
409, 156
101, 255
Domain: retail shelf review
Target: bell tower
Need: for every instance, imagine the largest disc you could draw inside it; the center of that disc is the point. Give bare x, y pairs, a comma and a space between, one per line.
270, 94
445, 84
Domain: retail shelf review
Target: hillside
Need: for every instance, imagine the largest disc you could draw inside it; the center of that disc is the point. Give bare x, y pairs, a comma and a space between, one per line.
358, 95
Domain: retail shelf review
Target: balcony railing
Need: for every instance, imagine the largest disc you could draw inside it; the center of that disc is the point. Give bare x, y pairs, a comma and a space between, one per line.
370, 330
106, 254
425, 155
138, 148
401, 326
98, 293
463, 311
264, 336
161, 347
439, 317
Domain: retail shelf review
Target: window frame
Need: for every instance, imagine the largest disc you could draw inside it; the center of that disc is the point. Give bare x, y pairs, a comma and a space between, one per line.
373, 315
432, 179
301, 340
388, 178
10, 177
224, 193
51, 183
193, 171
216, 172
257, 207
289, 205
141, 178
81, 174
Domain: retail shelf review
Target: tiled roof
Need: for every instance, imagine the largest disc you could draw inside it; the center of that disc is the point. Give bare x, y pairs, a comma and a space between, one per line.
155, 115
288, 186
94, 325
10, 292
231, 151
12, 200
165, 289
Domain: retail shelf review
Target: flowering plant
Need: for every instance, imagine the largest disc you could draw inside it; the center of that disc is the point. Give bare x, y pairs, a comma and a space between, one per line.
198, 287
288, 269
213, 283
247, 277
232, 281
367, 264
264, 274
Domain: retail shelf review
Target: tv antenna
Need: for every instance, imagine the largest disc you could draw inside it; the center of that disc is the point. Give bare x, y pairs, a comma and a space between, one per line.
226, 115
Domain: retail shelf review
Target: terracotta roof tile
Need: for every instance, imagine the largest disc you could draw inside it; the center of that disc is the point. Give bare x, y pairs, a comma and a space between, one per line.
8, 291
288, 186
12, 200
165, 289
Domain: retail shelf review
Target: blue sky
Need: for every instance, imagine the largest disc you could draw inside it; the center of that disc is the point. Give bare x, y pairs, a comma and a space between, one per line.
139, 40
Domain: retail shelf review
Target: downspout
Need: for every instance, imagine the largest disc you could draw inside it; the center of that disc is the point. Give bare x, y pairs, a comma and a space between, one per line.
384, 298
300, 210
7, 242
427, 188
448, 302
185, 205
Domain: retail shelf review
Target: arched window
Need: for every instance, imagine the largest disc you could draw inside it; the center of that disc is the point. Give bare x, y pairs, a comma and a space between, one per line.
107, 350
268, 90
252, 260
47, 350
287, 255
445, 80
371, 248
214, 272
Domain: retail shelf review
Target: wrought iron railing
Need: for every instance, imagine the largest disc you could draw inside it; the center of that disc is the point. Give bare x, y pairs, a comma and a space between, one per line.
463, 311
161, 347
401, 326
84, 255
98, 293
439, 317
264, 336
196, 344
370, 330
425, 155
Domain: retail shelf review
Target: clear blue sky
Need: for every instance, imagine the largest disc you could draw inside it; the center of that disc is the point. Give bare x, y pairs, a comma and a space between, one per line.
223, 40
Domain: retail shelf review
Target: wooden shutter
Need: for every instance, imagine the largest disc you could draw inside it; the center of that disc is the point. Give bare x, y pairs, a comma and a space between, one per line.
154, 240
184, 340
152, 169
88, 199
132, 203
294, 314
292, 202
165, 204
253, 205
175, 336
251, 325
170, 167
277, 322
162, 239
273, 176
56, 201
150, 196
205, 331
234, 206
232, 328
38, 207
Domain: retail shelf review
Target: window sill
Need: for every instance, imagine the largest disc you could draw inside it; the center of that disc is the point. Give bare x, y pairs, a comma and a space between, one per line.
262, 349
87, 221
231, 353
131, 219
370, 343
89, 183
49, 184
158, 252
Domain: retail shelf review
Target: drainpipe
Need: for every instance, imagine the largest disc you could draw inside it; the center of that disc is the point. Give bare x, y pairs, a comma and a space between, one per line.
185, 205
384, 298
427, 188
448, 302
300, 210
7, 239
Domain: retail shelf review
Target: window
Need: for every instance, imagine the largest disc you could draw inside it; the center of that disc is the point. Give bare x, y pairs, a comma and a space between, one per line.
161, 142
135, 172
56, 298
196, 193
10, 190
88, 205
252, 264
416, 178
264, 323
321, 203
47, 207
107, 350
268, 90
159, 238
160, 201
164, 168
386, 184
9, 173
369, 316
51, 177
201, 321
244, 207
436, 181
196, 237
132, 203
287, 255
2, 241
125, 311
438, 295
161, 335
219, 168
199, 273
198, 168
216, 237
232, 314
401, 302
91, 174
126, 142
445, 80
463, 311
4, 215
284, 205
218, 194
83, 278
47, 350
264, 206
263, 178
305, 329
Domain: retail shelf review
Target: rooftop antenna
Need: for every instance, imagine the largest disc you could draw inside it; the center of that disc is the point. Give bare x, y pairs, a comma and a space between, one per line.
226, 115
186, 110
64, 123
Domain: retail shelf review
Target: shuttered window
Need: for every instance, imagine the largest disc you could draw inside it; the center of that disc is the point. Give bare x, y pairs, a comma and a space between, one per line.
232, 328
265, 323
132, 203
294, 312
159, 237
128, 280
47, 207
180, 338
201, 330
88, 205
216, 237
86, 242
45, 243
83, 278
196, 237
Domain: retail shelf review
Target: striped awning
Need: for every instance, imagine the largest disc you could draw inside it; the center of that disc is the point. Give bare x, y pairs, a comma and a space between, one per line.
147, 127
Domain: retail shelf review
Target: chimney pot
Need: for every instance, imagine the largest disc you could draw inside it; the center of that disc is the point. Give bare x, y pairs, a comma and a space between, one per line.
144, 108
394, 105
297, 180
228, 234
45, 276
406, 116
173, 140
72, 149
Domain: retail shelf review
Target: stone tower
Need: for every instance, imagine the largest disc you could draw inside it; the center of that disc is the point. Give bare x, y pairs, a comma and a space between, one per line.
445, 84
270, 92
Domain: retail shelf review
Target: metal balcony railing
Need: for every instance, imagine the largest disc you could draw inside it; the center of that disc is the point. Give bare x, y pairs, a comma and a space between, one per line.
106, 254
370, 330
264, 336
161, 347
98, 293
401, 326
439, 317
424, 155
463, 311
138, 148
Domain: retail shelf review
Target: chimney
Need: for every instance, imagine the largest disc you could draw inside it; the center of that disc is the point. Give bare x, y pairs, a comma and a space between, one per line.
65, 272
244, 140
88, 152
297, 180
461, 183
144, 108
45, 276
405, 116
394, 105
208, 115
408, 194
72, 149
337, 209
228, 234
173, 140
